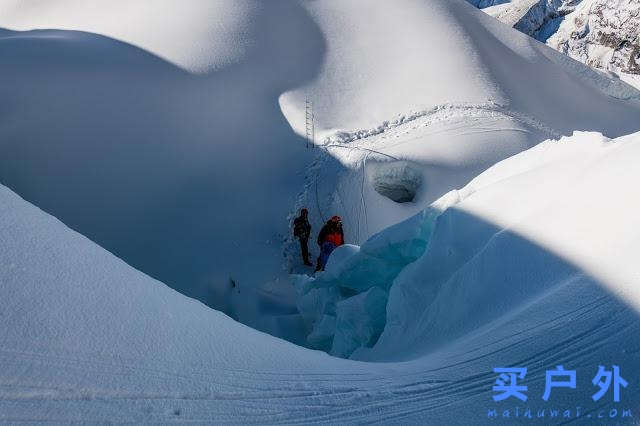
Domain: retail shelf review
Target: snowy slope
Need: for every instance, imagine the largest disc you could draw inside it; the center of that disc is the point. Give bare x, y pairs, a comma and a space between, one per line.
172, 138
187, 177
200, 37
521, 228
422, 60
449, 126
518, 267
389, 96
529, 281
81, 328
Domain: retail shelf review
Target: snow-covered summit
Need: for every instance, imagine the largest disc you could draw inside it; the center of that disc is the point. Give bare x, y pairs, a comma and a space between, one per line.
600, 33
604, 34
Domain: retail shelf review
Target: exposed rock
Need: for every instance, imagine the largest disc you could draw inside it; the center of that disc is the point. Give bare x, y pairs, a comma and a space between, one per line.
603, 34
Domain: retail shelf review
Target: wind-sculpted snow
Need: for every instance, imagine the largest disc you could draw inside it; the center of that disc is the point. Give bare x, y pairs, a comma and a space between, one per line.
515, 269
199, 37
170, 132
369, 76
185, 177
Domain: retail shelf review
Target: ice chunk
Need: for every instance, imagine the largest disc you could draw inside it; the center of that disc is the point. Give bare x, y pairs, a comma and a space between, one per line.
318, 301
360, 321
302, 283
349, 298
362, 272
406, 241
355, 272
322, 335
337, 260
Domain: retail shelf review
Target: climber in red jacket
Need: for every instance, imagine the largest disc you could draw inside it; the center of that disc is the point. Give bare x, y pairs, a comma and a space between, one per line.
331, 236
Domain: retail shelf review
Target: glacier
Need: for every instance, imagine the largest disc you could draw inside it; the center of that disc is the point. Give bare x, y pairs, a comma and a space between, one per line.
502, 281
155, 155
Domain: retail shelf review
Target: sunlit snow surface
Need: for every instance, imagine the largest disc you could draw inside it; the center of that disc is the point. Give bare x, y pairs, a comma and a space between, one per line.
171, 134
518, 270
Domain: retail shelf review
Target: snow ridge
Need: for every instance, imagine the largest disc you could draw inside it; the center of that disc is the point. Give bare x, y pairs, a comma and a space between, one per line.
440, 113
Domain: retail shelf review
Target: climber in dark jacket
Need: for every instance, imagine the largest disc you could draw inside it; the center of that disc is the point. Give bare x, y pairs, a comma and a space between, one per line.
302, 231
331, 236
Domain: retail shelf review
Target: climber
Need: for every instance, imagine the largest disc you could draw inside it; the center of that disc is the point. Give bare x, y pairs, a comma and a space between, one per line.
330, 237
302, 231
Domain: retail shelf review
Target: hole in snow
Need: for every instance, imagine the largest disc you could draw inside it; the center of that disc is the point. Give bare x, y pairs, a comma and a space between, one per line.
397, 180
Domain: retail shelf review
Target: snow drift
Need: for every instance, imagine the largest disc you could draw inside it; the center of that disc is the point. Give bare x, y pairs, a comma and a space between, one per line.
517, 270
185, 177
169, 133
